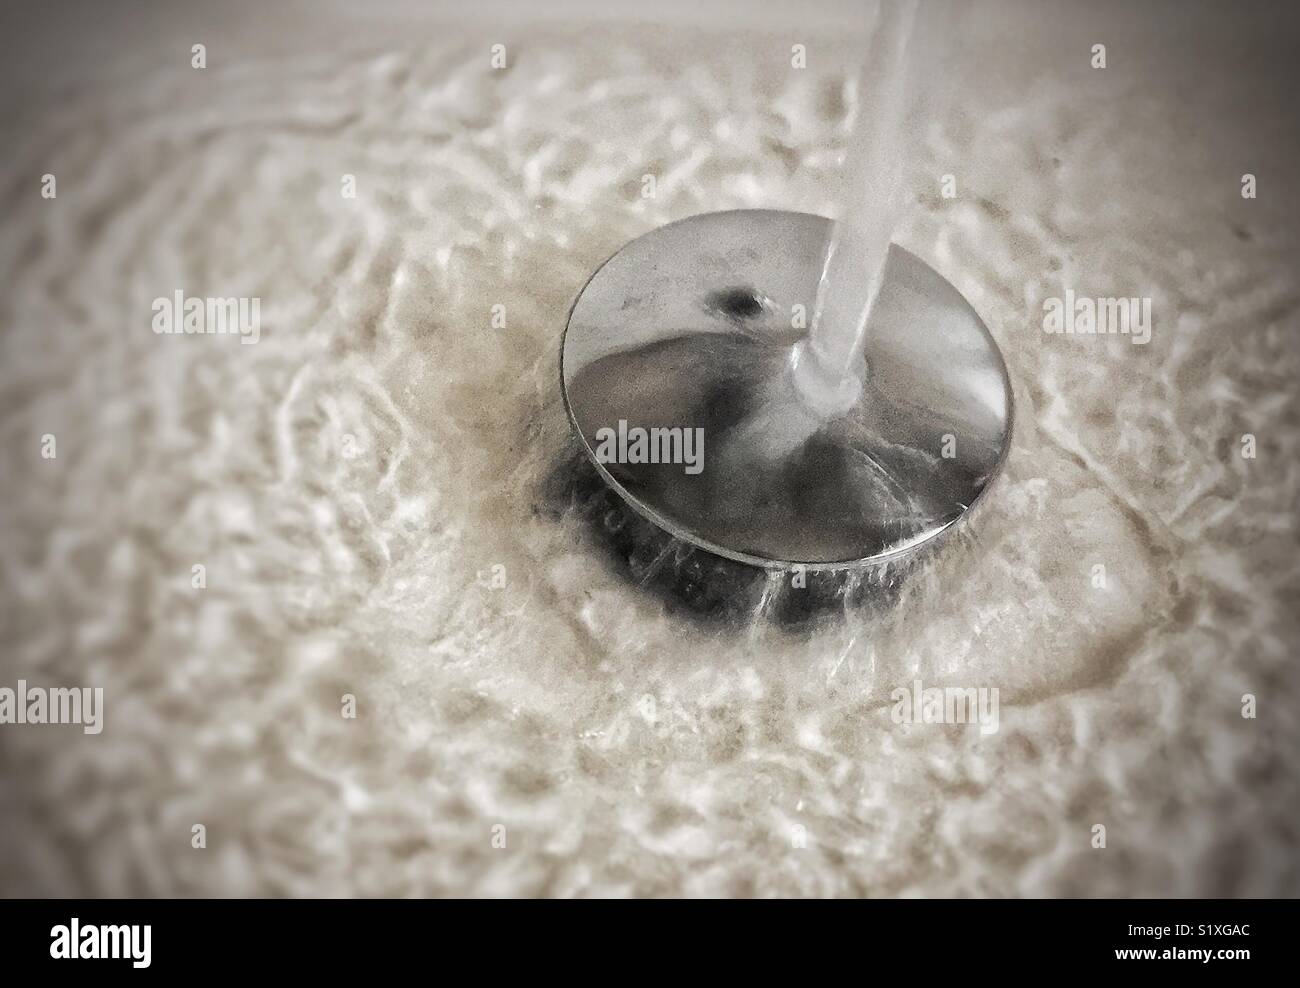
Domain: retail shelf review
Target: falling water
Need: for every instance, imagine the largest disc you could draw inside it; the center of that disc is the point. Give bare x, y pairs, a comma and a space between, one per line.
826, 370
828, 366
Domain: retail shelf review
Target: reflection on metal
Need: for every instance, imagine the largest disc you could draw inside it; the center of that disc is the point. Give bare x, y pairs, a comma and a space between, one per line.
694, 326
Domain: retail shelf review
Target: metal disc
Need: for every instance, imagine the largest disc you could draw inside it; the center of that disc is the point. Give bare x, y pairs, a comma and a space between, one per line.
692, 327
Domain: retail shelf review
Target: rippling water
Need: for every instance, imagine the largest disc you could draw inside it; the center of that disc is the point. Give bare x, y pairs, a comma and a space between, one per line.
381, 489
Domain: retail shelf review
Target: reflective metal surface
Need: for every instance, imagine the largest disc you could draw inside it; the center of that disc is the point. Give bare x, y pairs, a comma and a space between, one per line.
693, 327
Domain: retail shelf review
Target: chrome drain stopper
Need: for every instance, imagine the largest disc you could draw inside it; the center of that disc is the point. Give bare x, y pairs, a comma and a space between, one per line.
675, 369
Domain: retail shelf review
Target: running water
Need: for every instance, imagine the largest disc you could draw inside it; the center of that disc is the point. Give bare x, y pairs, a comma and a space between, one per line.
828, 365
826, 371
